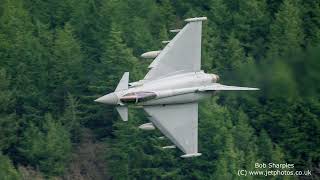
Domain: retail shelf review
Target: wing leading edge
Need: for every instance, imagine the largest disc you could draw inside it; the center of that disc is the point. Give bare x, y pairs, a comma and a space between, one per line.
182, 54
179, 123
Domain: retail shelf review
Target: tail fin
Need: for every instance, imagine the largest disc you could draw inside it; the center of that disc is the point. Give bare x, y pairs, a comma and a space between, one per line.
123, 112
123, 83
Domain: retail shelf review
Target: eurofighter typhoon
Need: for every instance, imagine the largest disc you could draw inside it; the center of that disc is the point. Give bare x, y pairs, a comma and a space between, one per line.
171, 90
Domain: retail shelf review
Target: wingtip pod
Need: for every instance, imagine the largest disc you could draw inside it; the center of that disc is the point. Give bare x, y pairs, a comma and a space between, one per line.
165, 42
150, 54
175, 30
196, 19
169, 147
147, 127
191, 155
251, 89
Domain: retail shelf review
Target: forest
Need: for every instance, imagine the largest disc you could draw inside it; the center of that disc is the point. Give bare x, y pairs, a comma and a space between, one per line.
57, 57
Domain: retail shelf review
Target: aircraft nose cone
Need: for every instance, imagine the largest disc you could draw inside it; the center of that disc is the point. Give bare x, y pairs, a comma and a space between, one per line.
111, 98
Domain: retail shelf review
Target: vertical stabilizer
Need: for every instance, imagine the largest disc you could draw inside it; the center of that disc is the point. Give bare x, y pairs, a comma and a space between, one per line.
123, 83
123, 112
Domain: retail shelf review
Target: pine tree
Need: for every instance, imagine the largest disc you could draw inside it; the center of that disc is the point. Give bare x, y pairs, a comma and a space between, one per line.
65, 68
71, 118
167, 12
57, 57
116, 59
234, 55
228, 161
311, 20
24, 58
7, 170
8, 121
91, 23
245, 21
48, 148
269, 152
286, 31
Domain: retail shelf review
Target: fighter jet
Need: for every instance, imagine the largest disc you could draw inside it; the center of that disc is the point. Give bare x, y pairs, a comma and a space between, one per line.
171, 90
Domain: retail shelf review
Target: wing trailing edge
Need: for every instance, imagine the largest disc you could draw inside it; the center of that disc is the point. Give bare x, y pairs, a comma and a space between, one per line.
220, 87
179, 123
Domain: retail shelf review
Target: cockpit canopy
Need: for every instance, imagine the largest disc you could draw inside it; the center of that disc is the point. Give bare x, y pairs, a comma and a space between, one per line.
136, 97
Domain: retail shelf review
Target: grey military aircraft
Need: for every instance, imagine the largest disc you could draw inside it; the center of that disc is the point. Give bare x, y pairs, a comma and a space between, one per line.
171, 90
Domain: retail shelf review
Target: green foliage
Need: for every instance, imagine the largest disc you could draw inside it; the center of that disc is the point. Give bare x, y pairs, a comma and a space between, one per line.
286, 32
7, 170
71, 118
8, 119
234, 54
56, 57
116, 59
48, 148
310, 15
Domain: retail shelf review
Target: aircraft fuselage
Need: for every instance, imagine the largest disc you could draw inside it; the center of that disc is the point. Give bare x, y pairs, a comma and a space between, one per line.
176, 89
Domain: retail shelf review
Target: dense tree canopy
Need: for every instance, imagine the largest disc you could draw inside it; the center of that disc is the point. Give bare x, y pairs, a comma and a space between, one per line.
56, 57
